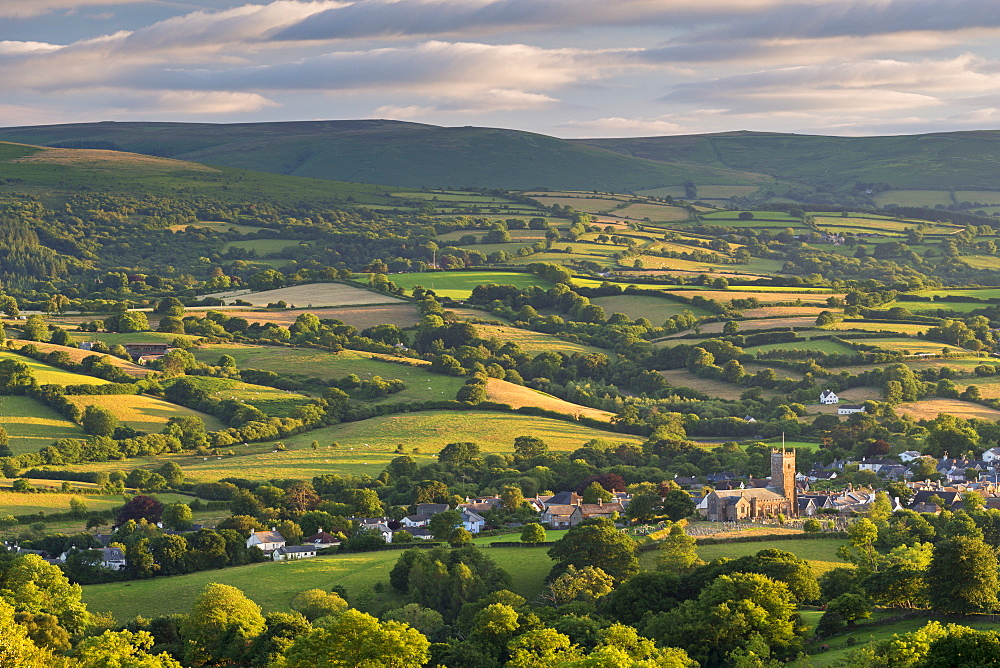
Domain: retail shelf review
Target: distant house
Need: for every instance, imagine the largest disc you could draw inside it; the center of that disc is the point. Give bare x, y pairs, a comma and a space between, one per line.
411, 521
423, 533
378, 524
848, 409
562, 499
991, 455
828, 397
560, 516
749, 418
609, 510
291, 552
140, 349
472, 521
321, 539
432, 508
911, 455
267, 541
112, 558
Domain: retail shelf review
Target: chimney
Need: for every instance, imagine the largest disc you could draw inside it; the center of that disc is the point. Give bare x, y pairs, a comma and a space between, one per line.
600, 501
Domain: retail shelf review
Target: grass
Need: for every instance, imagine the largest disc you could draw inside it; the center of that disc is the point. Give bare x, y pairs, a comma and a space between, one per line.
31, 425
824, 346
518, 395
261, 246
709, 386
274, 402
143, 412
656, 309
979, 293
928, 409
764, 296
309, 294
46, 374
366, 447
657, 213
928, 198
459, 284
361, 317
879, 326
533, 342
914, 346
303, 363
15, 503
77, 356
111, 338
821, 554
272, 585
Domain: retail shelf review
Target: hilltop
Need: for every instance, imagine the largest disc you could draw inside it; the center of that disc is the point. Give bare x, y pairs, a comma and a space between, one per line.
419, 155
389, 153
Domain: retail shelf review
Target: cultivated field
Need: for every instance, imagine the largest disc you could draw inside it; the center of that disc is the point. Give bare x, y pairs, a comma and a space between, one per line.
77, 356
31, 425
459, 284
928, 409
311, 363
142, 412
518, 396
16, 503
362, 317
309, 295
274, 402
655, 309
533, 342
273, 585
46, 374
709, 386
765, 297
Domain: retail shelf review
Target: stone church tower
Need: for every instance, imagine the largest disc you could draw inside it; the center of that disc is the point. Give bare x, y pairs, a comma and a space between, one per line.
783, 478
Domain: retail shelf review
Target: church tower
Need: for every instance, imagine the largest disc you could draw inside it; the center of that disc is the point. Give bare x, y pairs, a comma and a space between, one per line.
783, 477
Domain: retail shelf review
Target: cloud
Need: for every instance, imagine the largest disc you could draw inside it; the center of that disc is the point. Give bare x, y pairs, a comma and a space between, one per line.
22, 9
617, 126
210, 102
10, 48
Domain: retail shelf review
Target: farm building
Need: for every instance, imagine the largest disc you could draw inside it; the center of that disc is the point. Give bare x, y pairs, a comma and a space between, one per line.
828, 397
267, 541
848, 409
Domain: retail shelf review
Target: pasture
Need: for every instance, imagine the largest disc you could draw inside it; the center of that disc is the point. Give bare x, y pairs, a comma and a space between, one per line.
824, 346
46, 374
309, 295
928, 409
655, 309
878, 326
709, 386
77, 355
366, 447
518, 396
32, 425
312, 363
142, 412
914, 346
459, 284
272, 585
765, 297
17, 503
274, 402
533, 342
821, 554
655, 213
400, 314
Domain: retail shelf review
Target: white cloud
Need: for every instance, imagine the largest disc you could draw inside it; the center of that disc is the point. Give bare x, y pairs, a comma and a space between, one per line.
210, 102
21, 9
406, 113
617, 126
11, 48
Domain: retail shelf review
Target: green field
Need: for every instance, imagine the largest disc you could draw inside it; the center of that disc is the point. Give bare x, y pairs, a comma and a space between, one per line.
927, 198
821, 554
111, 338
15, 503
979, 293
655, 309
274, 402
823, 346
878, 326
32, 425
46, 374
367, 446
262, 246
141, 411
533, 342
459, 284
273, 585
311, 363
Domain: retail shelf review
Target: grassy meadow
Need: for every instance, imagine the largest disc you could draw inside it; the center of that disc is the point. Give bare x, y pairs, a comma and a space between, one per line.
142, 412
533, 342
309, 295
274, 402
32, 425
46, 374
459, 284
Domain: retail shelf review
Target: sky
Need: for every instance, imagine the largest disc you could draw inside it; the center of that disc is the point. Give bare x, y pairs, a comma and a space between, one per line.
569, 68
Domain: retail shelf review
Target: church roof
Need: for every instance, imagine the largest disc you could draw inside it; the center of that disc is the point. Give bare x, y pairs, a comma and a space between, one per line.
730, 496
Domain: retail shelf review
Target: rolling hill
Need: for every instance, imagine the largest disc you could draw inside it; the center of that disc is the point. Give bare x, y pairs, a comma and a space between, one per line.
939, 161
388, 153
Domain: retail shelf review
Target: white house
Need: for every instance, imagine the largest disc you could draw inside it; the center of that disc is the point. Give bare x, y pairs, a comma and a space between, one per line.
848, 409
379, 525
991, 455
112, 558
321, 539
290, 552
418, 520
267, 541
471, 521
828, 397
911, 455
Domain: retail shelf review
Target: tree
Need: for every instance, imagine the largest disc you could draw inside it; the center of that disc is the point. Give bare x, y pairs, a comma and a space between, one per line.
542, 648
34, 328
962, 577
316, 603
443, 525
529, 447
221, 624
677, 504
850, 607
356, 639
533, 533
99, 421
678, 552
595, 492
511, 497
422, 619
595, 543
643, 507
585, 584
17, 650
15, 376
31, 584
140, 508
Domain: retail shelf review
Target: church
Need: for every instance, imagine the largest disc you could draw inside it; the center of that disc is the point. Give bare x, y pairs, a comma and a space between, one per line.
755, 504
